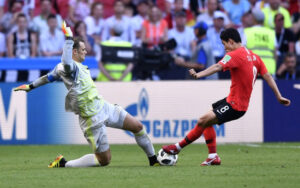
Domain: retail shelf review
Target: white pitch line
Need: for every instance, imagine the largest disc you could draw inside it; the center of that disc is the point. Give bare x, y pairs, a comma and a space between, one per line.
269, 146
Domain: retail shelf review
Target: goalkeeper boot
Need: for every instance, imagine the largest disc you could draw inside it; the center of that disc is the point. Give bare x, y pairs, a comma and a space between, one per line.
59, 162
153, 161
212, 161
171, 149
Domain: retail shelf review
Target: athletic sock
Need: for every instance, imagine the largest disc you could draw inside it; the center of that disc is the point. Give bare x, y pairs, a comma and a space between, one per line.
193, 135
144, 142
210, 139
212, 155
88, 160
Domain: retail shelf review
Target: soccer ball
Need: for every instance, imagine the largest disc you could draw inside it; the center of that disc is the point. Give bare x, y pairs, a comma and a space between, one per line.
166, 159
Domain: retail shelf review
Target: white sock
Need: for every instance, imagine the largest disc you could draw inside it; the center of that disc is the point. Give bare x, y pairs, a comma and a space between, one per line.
212, 155
144, 142
88, 160
178, 146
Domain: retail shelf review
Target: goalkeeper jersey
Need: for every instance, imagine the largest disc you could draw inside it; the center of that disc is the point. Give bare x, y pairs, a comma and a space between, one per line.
82, 97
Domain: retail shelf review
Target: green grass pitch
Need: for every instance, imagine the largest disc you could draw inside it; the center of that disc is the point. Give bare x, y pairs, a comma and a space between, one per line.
259, 165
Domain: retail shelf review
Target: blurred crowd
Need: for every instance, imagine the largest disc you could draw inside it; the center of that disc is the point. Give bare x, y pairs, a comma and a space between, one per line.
270, 28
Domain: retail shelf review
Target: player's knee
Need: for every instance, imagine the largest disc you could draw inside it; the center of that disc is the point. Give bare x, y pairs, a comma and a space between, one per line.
139, 126
104, 159
202, 122
104, 162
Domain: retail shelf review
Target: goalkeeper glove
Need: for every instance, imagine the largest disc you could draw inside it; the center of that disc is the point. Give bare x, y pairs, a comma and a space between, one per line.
25, 87
67, 30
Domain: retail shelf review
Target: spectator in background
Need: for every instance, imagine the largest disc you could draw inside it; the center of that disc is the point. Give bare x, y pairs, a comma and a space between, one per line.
80, 30
95, 22
208, 14
128, 11
178, 7
2, 3
52, 41
213, 35
78, 10
22, 44
9, 19
272, 10
137, 20
236, 9
247, 21
154, 30
28, 7
115, 71
2, 45
261, 4
39, 23
128, 4
262, 41
202, 56
184, 36
288, 69
119, 18
186, 44
285, 37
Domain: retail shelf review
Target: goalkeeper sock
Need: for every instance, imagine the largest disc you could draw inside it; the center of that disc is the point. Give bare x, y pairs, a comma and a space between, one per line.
144, 142
210, 139
88, 160
193, 135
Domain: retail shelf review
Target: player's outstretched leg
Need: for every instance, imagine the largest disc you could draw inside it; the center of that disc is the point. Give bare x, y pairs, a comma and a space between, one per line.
88, 160
210, 139
207, 120
141, 137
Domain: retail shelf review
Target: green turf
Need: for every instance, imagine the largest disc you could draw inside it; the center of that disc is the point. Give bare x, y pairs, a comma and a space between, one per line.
271, 165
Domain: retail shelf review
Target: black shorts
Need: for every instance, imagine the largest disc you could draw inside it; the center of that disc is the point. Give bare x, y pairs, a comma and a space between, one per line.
225, 112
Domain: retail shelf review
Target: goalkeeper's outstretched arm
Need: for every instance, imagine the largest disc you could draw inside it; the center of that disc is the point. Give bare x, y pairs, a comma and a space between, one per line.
66, 57
37, 83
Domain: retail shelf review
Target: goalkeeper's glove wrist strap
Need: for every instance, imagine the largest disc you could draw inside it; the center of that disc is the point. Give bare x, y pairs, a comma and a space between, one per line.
31, 86
69, 38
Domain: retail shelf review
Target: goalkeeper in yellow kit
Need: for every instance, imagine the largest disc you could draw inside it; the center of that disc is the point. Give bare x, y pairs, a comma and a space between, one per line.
93, 111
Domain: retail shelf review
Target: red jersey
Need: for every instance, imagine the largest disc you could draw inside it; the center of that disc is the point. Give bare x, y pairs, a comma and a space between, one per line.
243, 65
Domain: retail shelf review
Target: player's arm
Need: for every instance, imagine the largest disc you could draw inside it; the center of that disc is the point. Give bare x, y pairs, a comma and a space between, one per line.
66, 57
104, 71
207, 72
128, 70
269, 79
37, 83
191, 65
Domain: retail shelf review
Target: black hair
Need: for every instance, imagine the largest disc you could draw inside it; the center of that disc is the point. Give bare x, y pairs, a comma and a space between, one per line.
77, 41
117, 1
51, 16
278, 14
290, 54
232, 34
77, 24
94, 5
45, 0
11, 4
21, 15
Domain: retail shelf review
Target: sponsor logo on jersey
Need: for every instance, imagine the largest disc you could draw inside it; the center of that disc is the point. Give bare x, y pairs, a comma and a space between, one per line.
226, 59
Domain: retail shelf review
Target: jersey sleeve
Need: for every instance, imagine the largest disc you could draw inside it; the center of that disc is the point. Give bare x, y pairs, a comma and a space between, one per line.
261, 66
227, 62
66, 57
53, 75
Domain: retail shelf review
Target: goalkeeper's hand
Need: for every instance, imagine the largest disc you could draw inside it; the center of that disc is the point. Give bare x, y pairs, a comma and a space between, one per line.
24, 87
67, 30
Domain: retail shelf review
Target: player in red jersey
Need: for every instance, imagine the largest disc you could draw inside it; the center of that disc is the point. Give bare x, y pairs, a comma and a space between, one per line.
244, 66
